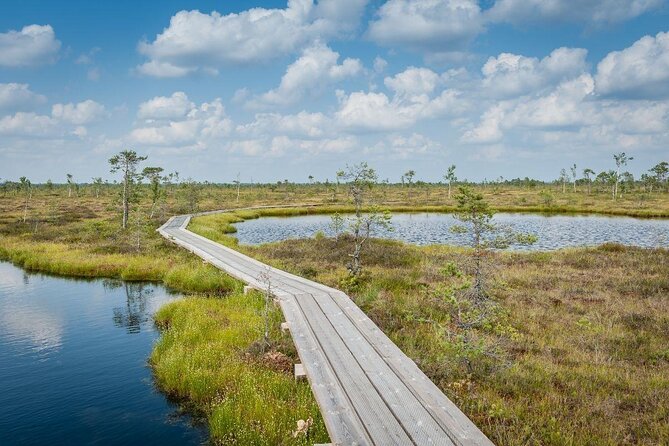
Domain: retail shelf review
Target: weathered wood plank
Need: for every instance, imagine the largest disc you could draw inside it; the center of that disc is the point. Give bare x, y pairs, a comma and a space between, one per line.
369, 392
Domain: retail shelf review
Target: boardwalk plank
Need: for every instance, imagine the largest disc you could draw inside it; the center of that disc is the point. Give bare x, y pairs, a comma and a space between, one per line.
369, 392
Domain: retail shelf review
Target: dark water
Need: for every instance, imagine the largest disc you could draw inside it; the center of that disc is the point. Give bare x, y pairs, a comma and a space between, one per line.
553, 232
73, 364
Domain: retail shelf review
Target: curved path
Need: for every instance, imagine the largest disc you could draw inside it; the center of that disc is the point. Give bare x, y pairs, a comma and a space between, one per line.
369, 392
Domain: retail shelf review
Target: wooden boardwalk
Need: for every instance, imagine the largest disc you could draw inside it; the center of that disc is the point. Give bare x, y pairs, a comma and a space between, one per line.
369, 392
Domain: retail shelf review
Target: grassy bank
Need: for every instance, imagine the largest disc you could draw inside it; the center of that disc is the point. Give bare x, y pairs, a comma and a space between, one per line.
205, 358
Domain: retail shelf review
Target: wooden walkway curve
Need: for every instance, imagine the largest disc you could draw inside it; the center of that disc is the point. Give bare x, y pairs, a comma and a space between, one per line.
369, 392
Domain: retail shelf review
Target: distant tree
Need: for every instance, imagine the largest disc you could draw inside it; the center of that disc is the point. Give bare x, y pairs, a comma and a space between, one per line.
450, 178
573, 176
238, 184
337, 224
49, 185
339, 176
97, 184
26, 188
626, 181
361, 179
660, 172
587, 176
621, 160
191, 190
563, 179
126, 162
155, 177
70, 182
311, 179
608, 178
409, 178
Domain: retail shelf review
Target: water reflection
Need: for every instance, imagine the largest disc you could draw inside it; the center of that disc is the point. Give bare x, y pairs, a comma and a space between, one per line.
30, 324
69, 375
134, 313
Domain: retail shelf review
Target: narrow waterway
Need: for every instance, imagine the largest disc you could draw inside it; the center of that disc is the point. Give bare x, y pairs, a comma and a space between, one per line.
73, 364
553, 232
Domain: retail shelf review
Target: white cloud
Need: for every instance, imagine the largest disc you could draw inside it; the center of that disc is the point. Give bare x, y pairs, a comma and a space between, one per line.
164, 69
82, 113
593, 11
640, 71
404, 147
488, 129
413, 82
15, 97
164, 123
374, 111
29, 125
317, 67
65, 119
412, 101
302, 124
511, 74
194, 41
429, 26
571, 116
566, 106
33, 45
174, 107
380, 64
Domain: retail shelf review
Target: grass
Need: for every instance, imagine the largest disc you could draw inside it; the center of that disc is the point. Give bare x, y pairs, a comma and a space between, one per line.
589, 365
203, 359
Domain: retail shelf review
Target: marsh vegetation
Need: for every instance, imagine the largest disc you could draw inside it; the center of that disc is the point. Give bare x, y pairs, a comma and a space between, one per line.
571, 351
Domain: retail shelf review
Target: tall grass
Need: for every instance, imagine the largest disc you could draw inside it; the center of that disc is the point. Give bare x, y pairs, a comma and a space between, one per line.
177, 270
202, 359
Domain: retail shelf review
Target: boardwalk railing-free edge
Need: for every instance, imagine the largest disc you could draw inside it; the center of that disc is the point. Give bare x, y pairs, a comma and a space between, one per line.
368, 390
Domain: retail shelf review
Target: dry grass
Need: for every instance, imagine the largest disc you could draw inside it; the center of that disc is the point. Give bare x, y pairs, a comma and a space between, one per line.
590, 364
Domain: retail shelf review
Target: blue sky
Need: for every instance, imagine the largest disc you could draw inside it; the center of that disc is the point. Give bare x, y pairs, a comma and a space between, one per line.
282, 90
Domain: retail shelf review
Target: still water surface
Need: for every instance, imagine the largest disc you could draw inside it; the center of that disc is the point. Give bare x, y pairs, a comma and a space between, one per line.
553, 232
73, 364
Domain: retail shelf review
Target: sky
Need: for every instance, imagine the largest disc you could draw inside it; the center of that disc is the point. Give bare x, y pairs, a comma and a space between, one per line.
274, 90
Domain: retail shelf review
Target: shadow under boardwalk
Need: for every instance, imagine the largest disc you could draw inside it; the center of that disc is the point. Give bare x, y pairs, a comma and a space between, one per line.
369, 392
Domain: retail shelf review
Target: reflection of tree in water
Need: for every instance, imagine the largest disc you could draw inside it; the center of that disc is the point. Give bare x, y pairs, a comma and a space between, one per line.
135, 313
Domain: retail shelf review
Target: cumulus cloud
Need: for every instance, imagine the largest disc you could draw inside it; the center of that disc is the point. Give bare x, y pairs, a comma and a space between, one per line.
196, 41
592, 11
429, 26
176, 106
65, 119
640, 71
82, 113
317, 67
32, 46
511, 74
404, 146
29, 125
413, 82
18, 97
413, 99
302, 124
175, 122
